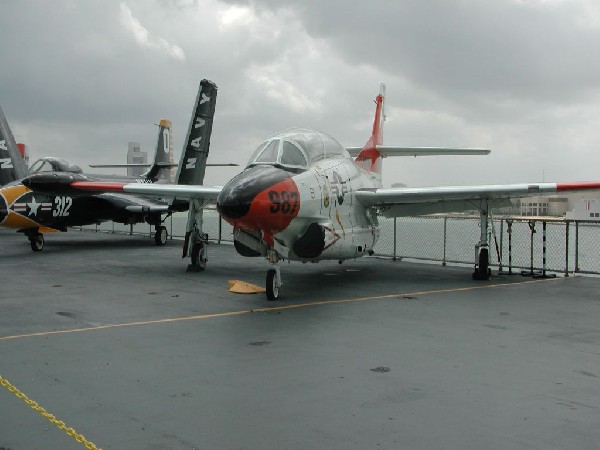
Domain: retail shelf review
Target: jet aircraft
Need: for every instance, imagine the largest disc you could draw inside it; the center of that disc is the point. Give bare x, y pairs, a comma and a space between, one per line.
42, 200
304, 197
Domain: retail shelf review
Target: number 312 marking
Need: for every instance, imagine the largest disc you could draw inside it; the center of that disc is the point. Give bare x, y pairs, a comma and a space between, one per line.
63, 204
284, 202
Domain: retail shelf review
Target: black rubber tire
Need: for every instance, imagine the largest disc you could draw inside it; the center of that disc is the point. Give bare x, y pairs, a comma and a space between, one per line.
196, 260
160, 237
484, 263
483, 271
271, 285
37, 242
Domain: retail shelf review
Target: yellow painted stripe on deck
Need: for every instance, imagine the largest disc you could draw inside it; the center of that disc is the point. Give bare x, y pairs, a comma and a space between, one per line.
276, 308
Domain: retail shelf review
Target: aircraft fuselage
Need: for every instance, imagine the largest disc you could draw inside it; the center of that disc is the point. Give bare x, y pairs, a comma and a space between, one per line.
306, 215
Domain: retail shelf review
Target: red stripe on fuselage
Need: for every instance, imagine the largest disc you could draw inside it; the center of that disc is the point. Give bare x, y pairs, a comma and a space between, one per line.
97, 186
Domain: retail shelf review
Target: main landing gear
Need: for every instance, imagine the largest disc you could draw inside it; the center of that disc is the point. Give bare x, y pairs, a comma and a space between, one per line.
196, 241
36, 240
482, 258
161, 235
273, 276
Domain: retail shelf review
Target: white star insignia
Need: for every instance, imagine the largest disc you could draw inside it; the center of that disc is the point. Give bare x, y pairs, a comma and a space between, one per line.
33, 207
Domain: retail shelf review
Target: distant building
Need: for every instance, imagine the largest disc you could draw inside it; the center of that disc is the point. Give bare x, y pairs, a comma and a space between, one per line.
544, 206
136, 156
573, 206
585, 210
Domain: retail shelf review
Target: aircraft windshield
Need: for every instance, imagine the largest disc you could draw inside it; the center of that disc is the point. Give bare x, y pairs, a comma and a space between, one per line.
50, 164
296, 148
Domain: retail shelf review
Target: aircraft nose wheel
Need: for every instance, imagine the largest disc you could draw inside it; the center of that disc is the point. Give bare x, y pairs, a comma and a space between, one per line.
37, 242
272, 285
160, 237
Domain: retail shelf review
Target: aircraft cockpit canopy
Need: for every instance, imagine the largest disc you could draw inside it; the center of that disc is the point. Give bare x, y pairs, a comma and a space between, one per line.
51, 164
296, 149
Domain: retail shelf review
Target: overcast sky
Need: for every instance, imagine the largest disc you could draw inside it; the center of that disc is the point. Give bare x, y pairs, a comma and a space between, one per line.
79, 79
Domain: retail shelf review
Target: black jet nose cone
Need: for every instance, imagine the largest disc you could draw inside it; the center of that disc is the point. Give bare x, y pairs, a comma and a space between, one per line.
235, 199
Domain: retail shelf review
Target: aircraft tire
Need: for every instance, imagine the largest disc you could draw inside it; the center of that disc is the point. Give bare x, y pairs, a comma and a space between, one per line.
483, 272
37, 242
272, 288
160, 237
197, 262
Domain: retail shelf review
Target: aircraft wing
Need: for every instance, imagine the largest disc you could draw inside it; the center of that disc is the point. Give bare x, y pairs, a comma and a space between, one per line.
174, 191
387, 151
398, 202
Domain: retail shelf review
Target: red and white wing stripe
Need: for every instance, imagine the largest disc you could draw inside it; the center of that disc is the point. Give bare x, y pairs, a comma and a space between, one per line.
152, 189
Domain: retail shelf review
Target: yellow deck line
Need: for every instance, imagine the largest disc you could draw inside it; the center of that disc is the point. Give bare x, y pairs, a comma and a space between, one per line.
275, 308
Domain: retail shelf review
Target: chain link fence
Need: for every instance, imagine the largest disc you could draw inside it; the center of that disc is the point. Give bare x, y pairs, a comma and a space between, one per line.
515, 243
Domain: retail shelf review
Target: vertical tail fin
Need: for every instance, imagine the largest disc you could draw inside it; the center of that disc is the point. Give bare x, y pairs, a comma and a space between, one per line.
163, 155
369, 157
192, 165
12, 165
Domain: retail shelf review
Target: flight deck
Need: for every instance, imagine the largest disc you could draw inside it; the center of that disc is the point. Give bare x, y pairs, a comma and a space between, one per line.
111, 335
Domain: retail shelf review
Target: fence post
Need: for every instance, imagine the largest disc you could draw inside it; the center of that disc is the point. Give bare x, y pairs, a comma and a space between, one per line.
395, 242
445, 240
544, 253
501, 255
220, 228
577, 269
530, 272
567, 249
510, 247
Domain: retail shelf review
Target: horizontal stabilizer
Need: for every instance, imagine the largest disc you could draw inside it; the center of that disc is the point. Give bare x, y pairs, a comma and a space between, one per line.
386, 151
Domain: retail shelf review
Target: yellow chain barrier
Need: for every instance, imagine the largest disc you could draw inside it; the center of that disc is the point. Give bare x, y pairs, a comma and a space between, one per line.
59, 423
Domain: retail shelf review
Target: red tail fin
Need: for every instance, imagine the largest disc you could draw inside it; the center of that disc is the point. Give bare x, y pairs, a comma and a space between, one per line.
369, 158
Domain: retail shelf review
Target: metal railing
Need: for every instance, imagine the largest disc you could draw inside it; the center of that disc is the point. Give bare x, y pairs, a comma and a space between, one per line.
515, 243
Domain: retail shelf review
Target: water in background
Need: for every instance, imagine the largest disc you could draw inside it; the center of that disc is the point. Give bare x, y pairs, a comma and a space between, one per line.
447, 239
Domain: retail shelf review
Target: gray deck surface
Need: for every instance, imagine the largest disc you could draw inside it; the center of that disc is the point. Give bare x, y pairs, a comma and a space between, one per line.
112, 336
